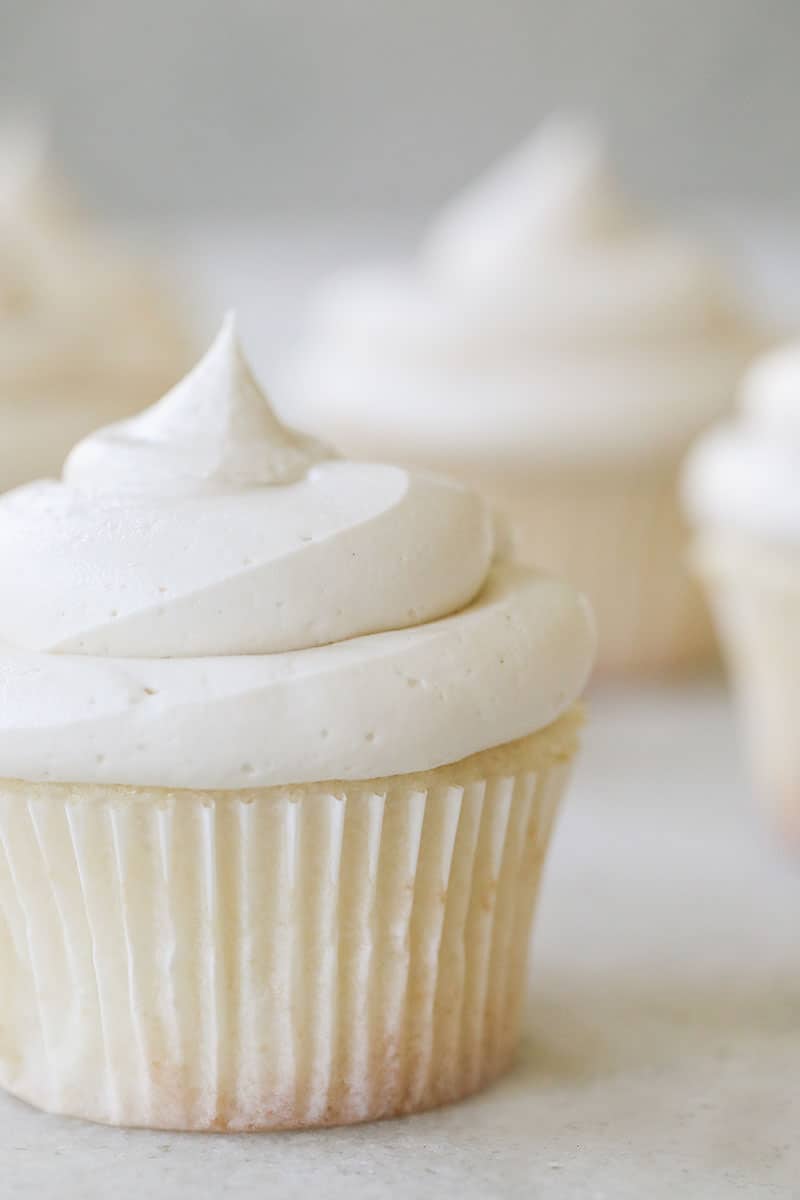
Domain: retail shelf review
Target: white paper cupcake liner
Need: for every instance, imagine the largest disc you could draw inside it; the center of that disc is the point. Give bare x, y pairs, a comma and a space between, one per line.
755, 597
618, 534
271, 959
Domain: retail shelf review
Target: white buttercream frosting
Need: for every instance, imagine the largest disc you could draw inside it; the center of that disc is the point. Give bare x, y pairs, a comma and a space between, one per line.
744, 476
544, 318
208, 599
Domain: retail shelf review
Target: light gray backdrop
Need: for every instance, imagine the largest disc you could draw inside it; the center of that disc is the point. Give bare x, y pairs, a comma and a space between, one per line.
226, 106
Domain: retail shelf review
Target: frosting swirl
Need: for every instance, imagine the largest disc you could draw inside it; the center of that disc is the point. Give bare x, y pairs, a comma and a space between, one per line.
543, 314
744, 475
208, 599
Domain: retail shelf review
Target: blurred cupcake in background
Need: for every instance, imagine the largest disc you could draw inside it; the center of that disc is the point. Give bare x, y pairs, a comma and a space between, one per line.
559, 352
88, 332
742, 492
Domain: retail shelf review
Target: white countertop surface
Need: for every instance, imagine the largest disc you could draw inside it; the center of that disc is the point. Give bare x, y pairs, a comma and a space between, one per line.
662, 1044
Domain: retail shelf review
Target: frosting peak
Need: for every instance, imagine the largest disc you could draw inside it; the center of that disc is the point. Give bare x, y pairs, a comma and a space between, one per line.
214, 431
556, 188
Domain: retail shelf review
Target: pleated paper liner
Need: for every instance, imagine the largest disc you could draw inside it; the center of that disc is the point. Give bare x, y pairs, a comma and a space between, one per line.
755, 595
277, 958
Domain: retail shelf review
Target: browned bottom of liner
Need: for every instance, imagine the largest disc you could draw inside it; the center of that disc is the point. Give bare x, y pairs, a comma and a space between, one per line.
267, 1119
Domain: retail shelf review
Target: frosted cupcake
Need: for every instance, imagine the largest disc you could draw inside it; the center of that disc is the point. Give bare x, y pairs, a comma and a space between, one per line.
87, 333
556, 351
281, 744
742, 492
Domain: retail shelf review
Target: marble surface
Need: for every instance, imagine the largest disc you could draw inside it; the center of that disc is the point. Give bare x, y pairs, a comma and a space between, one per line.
662, 1039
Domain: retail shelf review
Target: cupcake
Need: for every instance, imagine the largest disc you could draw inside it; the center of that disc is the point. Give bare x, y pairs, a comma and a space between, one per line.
282, 738
742, 494
87, 333
557, 352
